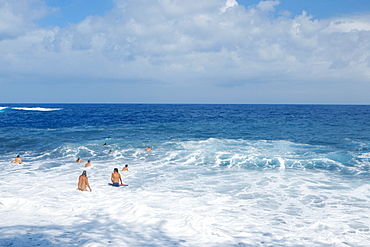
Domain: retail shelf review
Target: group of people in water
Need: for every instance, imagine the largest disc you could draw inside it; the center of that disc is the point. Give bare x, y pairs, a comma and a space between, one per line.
83, 181
81, 161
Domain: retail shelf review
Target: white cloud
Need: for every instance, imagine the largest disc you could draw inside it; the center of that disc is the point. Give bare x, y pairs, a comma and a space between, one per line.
16, 17
267, 6
216, 42
345, 25
229, 4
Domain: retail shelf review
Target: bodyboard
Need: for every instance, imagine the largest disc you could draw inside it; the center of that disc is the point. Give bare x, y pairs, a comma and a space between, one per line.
111, 184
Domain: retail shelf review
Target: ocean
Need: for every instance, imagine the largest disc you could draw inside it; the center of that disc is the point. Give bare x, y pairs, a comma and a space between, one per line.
217, 175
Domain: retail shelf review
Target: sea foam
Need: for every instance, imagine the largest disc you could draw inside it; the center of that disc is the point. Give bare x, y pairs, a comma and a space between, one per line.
209, 181
35, 109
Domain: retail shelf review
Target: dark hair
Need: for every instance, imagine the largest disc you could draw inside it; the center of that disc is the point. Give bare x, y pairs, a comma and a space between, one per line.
84, 173
126, 165
116, 169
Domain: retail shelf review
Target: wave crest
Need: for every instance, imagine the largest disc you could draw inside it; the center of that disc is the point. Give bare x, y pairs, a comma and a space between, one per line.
35, 109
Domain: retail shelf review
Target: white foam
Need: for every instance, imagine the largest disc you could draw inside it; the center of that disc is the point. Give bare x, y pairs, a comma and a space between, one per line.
179, 197
282, 163
36, 109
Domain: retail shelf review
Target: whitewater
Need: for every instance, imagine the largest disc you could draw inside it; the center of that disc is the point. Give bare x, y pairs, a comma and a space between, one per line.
217, 175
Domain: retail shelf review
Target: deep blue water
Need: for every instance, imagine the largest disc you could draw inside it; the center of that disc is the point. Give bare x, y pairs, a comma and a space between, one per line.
218, 175
342, 132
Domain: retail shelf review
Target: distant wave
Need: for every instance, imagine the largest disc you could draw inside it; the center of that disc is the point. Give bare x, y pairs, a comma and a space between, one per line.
35, 109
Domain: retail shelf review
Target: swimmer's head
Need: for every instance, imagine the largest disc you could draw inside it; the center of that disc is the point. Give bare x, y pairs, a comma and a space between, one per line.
116, 169
84, 173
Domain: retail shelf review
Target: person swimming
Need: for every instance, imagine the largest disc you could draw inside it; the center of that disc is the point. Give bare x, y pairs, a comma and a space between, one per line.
148, 149
88, 164
116, 177
83, 182
125, 168
17, 160
79, 161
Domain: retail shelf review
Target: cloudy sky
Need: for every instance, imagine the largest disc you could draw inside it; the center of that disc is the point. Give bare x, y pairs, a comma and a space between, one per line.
185, 51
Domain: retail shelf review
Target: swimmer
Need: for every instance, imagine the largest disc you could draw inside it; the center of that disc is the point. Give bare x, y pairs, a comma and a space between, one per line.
148, 149
105, 144
116, 177
125, 168
110, 151
79, 161
88, 164
83, 182
17, 160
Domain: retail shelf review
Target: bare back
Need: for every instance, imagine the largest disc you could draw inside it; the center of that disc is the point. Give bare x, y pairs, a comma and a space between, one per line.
83, 182
17, 160
116, 177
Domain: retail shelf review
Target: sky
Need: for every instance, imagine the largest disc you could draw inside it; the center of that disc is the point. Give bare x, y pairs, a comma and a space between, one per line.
185, 51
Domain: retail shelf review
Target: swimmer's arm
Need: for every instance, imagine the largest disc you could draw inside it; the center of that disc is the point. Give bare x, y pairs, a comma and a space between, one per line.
87, 184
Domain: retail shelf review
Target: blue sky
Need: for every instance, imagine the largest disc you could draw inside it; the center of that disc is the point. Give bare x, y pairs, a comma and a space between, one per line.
167, 51
320, 8
74, 11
